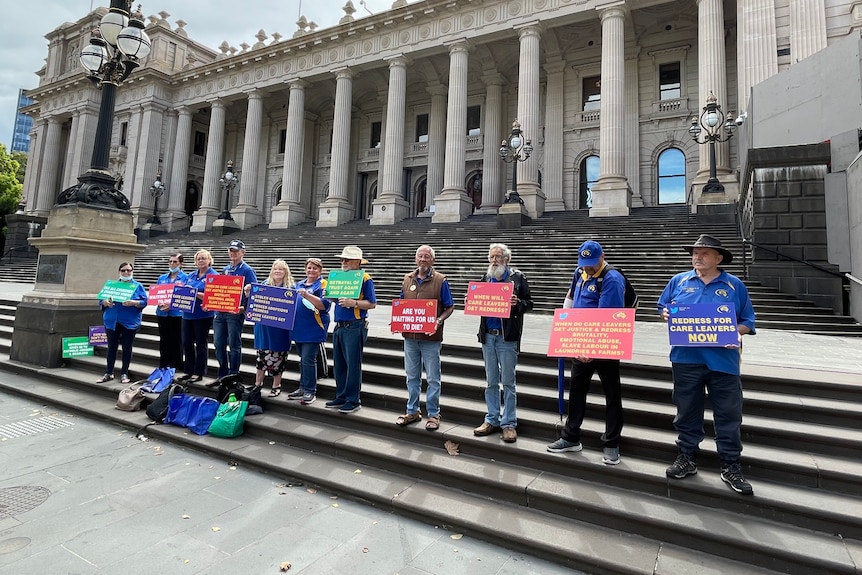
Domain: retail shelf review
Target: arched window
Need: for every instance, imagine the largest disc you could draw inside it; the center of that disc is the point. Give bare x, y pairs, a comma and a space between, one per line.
589, 175
671, 177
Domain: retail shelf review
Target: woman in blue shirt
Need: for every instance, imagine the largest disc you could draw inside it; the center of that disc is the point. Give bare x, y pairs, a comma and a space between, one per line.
272, 343
197, 323
122, 321
310, 328
171, 320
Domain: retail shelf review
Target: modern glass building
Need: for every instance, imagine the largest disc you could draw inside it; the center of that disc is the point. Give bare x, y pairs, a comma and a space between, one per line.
23, 125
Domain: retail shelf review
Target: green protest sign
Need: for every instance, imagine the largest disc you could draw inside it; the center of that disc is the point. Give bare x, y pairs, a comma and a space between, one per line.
77, 347
344, 284
117, 291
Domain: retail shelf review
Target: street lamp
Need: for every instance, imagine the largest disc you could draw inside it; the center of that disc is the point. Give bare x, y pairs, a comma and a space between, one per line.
715, 127
512, 151
228, 182
157, 190
116, 48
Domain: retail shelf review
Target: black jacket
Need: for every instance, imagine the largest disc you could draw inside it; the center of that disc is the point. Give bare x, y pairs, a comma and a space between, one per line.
514, 325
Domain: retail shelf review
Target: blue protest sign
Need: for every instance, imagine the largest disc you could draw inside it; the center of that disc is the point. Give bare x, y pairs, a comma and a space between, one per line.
272, 306
702, 324
184, 298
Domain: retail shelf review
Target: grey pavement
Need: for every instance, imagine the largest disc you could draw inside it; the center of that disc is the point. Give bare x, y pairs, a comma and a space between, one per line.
79, 496
770, 352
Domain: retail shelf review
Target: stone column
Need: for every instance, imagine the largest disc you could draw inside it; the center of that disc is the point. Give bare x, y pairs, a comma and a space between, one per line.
144, 160
807, 28
247, 214
48, 186
632, 130
529, 115
611, 193
289, 211
337, 209
213, 169
554, 113
712, 78
756, 46
453, 205
436, 145
492, 165
390, 206
81, 141
178, 179
31, 176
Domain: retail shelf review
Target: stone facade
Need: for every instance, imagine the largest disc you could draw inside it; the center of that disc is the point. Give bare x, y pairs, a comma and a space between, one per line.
401, 113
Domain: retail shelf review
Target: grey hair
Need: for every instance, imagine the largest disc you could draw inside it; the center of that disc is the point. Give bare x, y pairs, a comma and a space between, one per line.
429, 248
507, 253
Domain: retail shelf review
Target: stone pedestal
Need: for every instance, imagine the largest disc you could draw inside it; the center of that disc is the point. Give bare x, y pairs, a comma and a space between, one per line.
388, 211
224, 227
247, 216
19, 228
512, 215
202, 220
611, 197
534, 199
451, 207
333, 213
81, 248
286, 215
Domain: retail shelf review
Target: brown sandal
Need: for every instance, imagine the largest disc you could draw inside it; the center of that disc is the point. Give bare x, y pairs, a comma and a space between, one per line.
408, 418
433, 423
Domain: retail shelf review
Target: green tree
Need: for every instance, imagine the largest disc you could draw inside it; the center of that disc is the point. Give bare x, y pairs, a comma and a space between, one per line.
21, 158
10, 187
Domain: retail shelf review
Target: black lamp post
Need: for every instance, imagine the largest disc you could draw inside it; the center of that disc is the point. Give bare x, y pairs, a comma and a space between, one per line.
715, 127
228, 182
157, 190
116, 48
512, 151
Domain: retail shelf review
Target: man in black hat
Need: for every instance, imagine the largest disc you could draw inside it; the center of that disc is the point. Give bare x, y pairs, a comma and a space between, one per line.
714, 369
227, 327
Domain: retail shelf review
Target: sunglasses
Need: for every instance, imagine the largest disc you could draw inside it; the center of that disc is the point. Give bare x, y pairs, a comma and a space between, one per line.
126, 270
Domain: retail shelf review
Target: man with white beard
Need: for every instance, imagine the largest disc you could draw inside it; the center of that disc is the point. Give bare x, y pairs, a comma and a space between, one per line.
501, 341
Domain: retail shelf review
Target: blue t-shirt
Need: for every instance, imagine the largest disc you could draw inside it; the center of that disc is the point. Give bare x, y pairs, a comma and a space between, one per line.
166, 279
129, 316
586, 294
496, 322
311, 324
244, 270
367, 293
199, 282
687, 287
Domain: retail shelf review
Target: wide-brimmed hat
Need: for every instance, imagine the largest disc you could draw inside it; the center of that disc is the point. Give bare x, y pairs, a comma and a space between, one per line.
590, 254
707, 241
352, 253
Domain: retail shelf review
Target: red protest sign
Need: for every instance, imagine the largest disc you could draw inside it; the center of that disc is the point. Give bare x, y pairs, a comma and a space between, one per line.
414, 316
597, 333
489, 299
160, 294
223, 293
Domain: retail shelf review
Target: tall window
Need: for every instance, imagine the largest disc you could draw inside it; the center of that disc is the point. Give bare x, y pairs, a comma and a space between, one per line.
422, 128
592, 90
124, 133
671, 177
589, 175
669, 81
376, 128
282, 141
200, 148
474, 120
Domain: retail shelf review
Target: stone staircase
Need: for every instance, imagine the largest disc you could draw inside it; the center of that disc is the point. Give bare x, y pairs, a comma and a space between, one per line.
801, 438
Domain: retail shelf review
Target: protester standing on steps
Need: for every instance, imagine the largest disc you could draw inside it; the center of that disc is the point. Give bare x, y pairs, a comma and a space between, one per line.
122, 321
272, 343
197, 323
501, 341
227, 327
348, 338
310, 328
422, 349
593, 287
715, 369
170, 320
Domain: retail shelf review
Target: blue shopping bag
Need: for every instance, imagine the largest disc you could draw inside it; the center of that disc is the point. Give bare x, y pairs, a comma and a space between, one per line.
202, 411
178, 409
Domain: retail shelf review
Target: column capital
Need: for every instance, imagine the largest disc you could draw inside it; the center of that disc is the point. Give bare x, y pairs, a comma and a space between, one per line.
343, 73
555, 67
459, 45
253, 94
437, 90
216, 103
529, 29
612, 10
183, 111
398, 61
493, 79
297, 84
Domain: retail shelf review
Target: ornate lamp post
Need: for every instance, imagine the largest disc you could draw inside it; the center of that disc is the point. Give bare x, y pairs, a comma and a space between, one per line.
512, 151
714, 126
157, 190
228, 182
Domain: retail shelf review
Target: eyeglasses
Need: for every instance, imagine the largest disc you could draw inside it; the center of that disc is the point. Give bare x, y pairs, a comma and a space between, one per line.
495, 257
126, 270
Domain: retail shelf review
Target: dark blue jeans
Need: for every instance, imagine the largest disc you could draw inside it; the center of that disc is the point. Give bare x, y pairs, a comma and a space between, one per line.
582, 376
119, 336
348, 341
308, 365
195, 332
227, 333
725, 394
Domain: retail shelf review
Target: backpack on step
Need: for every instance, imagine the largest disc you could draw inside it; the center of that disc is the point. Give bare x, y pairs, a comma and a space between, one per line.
158, 409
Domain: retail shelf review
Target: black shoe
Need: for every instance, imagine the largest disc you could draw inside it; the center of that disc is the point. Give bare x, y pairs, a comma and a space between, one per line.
731, 473
682, 467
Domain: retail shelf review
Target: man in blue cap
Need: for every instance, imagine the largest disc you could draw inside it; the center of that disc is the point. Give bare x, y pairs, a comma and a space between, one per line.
595, 284
227, 327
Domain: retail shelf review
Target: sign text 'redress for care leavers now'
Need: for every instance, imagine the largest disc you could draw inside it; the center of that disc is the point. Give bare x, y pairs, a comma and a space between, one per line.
702, 324
414, 316
489, 299
596, 333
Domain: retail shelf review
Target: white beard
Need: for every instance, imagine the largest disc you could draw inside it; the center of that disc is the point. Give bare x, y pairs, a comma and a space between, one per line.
496, 271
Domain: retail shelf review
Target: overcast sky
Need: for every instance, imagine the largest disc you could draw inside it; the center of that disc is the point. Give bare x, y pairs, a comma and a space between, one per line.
209, 22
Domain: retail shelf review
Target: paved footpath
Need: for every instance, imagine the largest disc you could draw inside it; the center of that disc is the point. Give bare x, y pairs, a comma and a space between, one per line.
84, 497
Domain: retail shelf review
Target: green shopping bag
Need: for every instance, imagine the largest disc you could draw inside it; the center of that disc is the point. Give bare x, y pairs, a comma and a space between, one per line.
229, 419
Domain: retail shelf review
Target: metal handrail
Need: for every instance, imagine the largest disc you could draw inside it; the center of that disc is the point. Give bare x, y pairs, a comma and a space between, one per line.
801, 261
